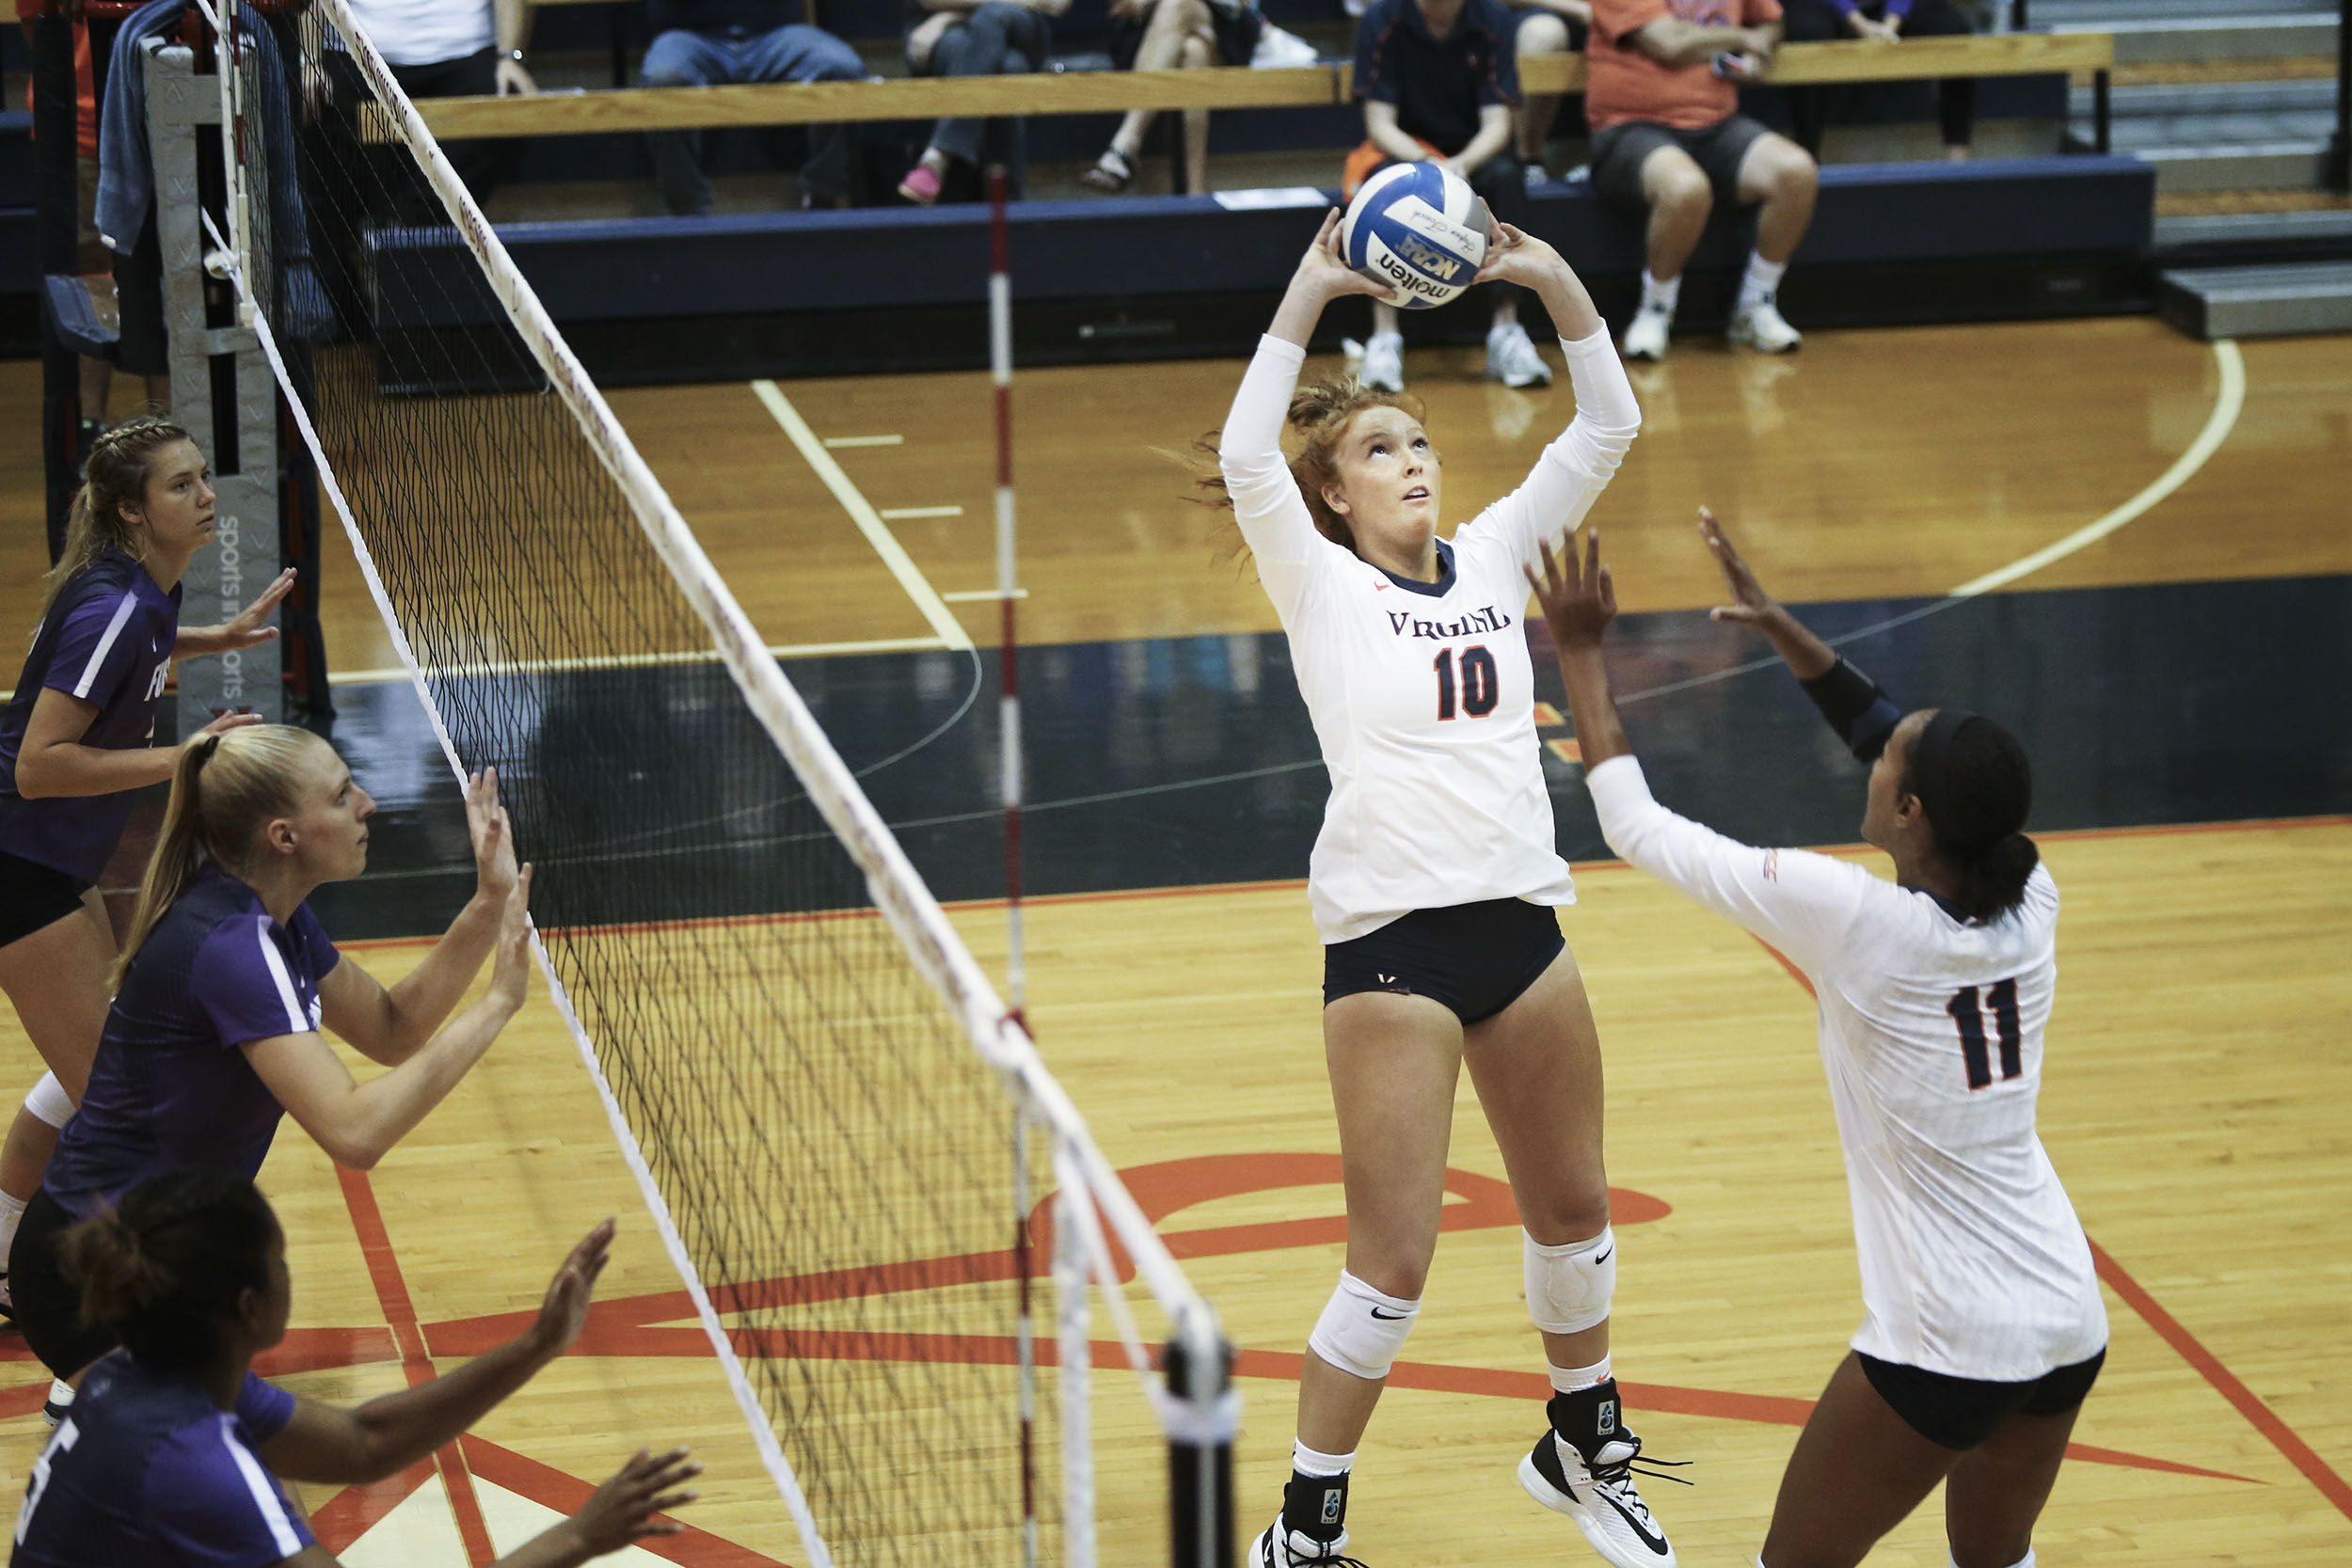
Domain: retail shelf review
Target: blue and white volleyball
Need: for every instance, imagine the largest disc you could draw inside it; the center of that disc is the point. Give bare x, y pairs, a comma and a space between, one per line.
1418, 229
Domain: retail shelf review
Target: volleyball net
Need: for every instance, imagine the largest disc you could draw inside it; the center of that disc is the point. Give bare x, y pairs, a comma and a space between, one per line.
858, 1163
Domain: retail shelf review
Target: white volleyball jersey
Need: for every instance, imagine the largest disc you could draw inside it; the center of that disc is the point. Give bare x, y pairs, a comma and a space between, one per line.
1973, 1263
1423, 694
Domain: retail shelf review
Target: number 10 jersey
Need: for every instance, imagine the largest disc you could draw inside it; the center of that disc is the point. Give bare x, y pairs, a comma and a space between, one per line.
1423, 694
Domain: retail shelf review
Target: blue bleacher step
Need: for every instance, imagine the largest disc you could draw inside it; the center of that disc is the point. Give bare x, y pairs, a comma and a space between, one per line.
2258, 302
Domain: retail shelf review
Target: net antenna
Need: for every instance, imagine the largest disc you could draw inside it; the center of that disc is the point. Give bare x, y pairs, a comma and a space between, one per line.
812, 1079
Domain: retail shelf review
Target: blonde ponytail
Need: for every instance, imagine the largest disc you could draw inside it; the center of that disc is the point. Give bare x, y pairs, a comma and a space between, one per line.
224, 789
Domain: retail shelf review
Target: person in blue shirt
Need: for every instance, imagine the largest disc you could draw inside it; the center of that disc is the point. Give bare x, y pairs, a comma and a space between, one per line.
225, 983
176, 1451
76, 740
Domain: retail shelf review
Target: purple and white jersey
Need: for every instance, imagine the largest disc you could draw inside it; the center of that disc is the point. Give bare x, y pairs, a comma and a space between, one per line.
169, 1087
147, 1469
106, 641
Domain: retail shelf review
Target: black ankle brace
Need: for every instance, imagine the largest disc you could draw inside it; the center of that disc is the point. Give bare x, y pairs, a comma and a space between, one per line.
1315, 1505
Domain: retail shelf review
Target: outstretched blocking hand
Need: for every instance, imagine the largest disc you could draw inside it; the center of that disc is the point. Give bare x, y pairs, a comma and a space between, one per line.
622, 1509
564, 1312
1579, 600
1807, 655
493, 835
247, 631
1751, 605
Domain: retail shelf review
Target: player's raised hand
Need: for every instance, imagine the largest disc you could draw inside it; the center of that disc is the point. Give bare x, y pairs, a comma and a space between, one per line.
1326, 270
510, 968
622, 1509
1579, 600
493, 834
247, 631
1514, 256
564, 1312
1750, 605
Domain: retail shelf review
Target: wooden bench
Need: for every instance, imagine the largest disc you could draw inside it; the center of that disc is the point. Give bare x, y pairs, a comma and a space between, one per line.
1221, 87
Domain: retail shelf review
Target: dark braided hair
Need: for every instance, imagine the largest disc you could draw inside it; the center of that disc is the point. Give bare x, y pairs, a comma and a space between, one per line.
167, 1266
1972, 778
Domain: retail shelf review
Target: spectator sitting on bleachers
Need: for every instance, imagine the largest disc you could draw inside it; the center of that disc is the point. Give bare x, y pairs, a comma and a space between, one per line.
1544, 27
1882, 22
1439, 81
705, 44
1669, 139
454, 49
1165, 35
970, 38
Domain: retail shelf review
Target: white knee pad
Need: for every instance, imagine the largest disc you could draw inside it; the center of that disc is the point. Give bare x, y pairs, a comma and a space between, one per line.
1362, 1330
1568, 1287
49, 1101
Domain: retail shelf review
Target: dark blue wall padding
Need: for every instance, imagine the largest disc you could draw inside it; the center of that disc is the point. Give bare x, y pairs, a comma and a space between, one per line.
759, 264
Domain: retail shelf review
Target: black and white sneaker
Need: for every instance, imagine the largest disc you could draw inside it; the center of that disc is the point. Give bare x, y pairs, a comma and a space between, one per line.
60, 1402
1277, 1546
1584, 1467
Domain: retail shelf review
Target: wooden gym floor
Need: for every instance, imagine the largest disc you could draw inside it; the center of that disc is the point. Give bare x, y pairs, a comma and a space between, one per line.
2197, 1065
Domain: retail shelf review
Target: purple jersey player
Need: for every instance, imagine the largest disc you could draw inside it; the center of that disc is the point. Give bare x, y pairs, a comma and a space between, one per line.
173, 1453
227, 980
75, 741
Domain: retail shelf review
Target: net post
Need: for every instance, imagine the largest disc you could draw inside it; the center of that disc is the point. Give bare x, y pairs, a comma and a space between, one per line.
1075, 1350
1201, 1411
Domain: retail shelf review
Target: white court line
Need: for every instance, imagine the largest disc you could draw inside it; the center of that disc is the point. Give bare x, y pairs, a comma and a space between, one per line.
863, 513
977, 593
898, 514
865, 440
2217, 426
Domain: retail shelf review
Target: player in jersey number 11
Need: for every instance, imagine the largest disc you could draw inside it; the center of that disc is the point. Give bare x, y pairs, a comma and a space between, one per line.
1983, 1327
1435, 881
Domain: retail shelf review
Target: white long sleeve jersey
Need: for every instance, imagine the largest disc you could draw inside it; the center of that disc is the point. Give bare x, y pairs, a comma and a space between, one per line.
1973, 1263
1423, 694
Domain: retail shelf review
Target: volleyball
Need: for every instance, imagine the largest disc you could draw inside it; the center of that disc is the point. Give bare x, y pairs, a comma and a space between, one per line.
1418, 229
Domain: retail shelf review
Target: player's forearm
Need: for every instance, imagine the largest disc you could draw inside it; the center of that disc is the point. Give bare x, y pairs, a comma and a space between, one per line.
1570, 307
1295, 321
422, 998
401, 1429
67, 768
557, 1547
1600, 735
379, 1113
196, 642
1808, 656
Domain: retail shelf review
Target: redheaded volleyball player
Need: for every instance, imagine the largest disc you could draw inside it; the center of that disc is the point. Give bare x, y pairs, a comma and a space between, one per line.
1434, 880
225, 983
1982, 1329
76, 742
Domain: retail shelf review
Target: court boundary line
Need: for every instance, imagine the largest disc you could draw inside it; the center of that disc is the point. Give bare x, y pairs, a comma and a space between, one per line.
400, 1313
862, 512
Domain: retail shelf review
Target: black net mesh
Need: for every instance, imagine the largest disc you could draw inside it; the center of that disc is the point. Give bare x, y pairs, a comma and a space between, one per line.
839, 1164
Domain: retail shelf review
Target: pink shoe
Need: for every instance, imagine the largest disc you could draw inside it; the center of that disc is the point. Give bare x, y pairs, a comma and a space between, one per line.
921, 185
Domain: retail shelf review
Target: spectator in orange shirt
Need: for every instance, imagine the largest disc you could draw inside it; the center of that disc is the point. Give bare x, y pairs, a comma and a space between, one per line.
1668, 138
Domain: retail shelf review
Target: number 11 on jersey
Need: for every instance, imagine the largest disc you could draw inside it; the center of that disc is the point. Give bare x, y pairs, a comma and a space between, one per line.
1482, 684
2001, 997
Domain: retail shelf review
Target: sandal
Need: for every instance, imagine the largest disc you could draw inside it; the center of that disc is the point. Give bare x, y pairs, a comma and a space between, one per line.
1111, 172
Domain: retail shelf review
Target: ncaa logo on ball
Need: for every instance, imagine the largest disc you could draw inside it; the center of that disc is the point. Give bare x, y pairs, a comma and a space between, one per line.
1418, 229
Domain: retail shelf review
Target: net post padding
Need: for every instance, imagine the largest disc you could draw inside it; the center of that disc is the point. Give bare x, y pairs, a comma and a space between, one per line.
914, 916
1076, 1355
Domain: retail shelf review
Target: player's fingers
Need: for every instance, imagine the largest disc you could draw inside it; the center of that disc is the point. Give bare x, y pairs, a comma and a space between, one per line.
1608, 591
